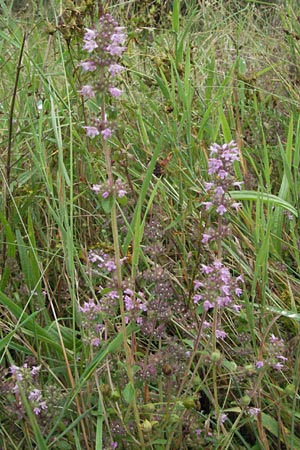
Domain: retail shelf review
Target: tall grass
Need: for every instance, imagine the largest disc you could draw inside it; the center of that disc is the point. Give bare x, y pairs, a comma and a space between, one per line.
195, 74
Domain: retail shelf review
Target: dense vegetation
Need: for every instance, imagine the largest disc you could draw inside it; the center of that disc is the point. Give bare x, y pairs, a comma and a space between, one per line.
149, 225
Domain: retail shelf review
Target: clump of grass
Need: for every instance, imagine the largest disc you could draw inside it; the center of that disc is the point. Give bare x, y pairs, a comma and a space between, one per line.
149, 238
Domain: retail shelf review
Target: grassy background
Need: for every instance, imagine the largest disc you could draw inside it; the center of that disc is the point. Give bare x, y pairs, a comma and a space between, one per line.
197, 73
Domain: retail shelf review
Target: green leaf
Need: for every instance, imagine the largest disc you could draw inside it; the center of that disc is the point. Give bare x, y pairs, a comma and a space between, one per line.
128, 392
264, 197
122, 201
175, 16
107, 203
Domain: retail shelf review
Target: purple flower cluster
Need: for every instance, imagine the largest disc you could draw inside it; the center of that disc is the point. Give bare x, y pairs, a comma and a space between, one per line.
105, 190
105, 45
26, 380
134, 306
217, 289
221, 171
274, 357
91, 322
102, 260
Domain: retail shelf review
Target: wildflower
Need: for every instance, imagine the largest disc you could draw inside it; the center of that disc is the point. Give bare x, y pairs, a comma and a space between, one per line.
223, 417
115, 69
220, 334
221, 210
35, 395
119, 37
105, 43
115, 92
106, 133
90, 34
120, 189
115, 50
90, 45
88, 66
91, 322
259, 364
218, 287
91, 131
197, 298
253, 411
220, 168
96, 188
206, 238
87, 91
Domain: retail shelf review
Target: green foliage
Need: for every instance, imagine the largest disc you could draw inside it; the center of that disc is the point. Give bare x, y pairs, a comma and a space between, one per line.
196, 73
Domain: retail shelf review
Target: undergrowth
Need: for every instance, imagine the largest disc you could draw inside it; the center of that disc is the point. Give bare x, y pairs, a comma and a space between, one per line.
149, 289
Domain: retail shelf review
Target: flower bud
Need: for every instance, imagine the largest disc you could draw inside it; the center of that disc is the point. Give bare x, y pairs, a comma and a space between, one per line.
146, 426
245, 400
174, 418
215, 356
149, 407
167, 369
189, 403
290, 389
105, 389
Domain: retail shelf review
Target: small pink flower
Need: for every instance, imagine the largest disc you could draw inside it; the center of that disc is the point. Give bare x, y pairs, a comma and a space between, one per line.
115, 50
115, 69
91, 131
106, 133
253, 411
90, 46
115, 92
221, 210
87, 91
220, 334
197, 298
96, 188
118, 38
88, 66
238, 184
90, 34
